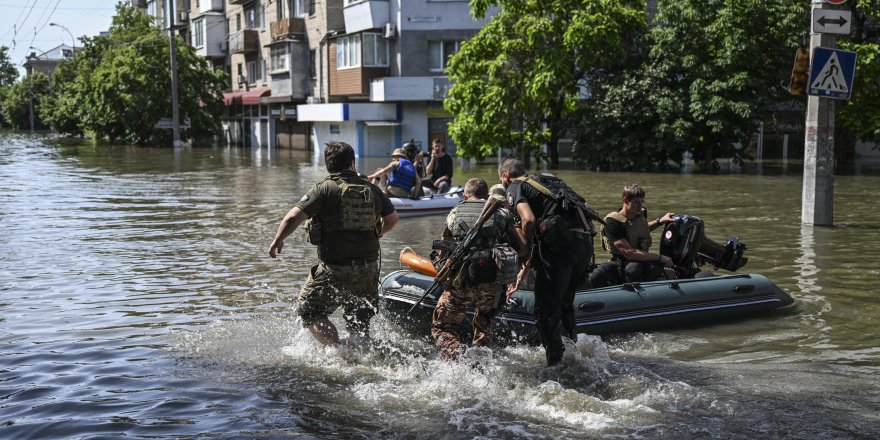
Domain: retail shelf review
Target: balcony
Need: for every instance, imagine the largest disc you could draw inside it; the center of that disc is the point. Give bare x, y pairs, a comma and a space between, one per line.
409, 88
245, 41
364, 15
288, 28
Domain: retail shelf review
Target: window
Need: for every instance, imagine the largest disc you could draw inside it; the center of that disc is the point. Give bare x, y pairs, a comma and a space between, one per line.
263, 70
348, 51
279, 10
375, 50
252, 72
311, 8
280, 59
199, 33
439, 53
299, 7
262, 18
151, 8
237, 22
251, 18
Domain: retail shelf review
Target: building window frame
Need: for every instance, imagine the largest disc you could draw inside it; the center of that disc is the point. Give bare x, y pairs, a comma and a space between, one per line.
348, 52
439, 52
375, 50
280, 56
199, 33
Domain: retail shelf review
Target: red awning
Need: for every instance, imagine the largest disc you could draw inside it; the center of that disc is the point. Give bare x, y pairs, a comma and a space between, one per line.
245, 98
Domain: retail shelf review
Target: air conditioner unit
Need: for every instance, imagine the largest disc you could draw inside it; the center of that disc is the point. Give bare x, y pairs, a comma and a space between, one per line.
390, 31
182, 17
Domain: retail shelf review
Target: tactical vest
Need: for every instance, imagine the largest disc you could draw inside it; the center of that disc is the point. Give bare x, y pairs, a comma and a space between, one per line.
467, 212
404, 175
357, 211
637, 233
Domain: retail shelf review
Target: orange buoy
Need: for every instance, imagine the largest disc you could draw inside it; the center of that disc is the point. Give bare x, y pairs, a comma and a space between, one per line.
416, 262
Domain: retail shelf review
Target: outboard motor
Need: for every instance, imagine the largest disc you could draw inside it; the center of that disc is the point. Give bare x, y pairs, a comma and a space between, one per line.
684, 240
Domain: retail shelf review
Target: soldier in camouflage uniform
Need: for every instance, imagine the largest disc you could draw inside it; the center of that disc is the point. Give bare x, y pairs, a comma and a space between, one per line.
464, 291
347, 216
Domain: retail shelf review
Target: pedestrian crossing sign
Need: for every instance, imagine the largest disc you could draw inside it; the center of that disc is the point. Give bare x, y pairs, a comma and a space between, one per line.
831, 73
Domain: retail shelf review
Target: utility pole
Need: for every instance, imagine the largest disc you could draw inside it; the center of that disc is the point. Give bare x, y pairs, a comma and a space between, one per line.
817, 203
170, 9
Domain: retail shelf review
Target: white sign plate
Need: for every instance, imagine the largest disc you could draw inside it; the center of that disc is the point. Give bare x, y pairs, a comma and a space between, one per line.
831, 21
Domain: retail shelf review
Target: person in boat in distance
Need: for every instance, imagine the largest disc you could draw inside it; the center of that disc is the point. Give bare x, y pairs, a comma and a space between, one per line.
627, 236
560, 245
347, 216
399, 178
440, 168
479, 282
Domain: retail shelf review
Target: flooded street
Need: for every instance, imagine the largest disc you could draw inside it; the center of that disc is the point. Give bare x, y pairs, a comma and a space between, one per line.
137, 298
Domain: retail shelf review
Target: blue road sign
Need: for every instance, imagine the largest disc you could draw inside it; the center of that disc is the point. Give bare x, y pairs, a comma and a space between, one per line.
832, 72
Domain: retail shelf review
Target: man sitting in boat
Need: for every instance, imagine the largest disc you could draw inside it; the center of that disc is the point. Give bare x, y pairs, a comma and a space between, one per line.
417, 156
478, 283
404, 180
627, 236
440, 169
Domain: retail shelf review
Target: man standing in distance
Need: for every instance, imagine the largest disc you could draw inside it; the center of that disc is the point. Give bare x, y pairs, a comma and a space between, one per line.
348, 215
559, 246
439, 167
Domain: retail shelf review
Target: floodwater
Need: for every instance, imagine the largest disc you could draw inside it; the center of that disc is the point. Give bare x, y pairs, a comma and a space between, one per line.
137, 299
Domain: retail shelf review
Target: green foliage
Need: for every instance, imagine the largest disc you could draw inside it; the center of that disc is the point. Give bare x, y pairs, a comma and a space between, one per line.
20, 98
516, 81
119, 86
716, 69
861, 114
8, 72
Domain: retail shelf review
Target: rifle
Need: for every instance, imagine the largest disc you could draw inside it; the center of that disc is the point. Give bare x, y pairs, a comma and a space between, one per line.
460, 253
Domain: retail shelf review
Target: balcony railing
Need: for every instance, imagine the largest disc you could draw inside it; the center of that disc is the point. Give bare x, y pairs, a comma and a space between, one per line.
293, 28
245, 41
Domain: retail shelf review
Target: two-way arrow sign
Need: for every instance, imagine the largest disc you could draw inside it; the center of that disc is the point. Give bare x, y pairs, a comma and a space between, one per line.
831, 21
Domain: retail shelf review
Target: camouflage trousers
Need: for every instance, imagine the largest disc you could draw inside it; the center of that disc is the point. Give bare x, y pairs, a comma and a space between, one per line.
353, 286
451, 310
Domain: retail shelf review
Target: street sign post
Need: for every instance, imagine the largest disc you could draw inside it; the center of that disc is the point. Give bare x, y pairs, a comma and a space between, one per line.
832, 72
831, 21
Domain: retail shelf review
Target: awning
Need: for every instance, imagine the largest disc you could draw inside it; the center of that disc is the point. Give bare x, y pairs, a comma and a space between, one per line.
245, 98
382, 123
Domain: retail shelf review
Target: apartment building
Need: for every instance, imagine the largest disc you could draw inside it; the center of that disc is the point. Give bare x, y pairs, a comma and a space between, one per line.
380, 78
303, 72
48, 61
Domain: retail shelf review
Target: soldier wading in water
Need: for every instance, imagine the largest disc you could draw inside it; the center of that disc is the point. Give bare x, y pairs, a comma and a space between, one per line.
348, 215
479, 281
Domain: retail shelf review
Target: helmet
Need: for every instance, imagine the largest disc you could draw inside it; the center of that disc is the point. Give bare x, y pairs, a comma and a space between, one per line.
410, 147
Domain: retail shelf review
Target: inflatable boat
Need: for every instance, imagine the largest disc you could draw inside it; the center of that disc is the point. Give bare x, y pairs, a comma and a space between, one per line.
428, 205
630, 307
690, 298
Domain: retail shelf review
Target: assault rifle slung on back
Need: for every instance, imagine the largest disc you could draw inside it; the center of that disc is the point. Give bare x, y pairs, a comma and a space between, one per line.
459, 255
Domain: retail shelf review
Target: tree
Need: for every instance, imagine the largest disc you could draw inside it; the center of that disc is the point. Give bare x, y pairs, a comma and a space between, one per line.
118, 86
716, 68
22, 98
8, 72
516, 81
861, 114
8, 75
